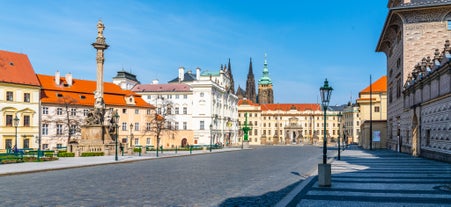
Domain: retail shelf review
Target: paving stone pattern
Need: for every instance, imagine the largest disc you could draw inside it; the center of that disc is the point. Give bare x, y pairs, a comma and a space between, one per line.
381, 178
256, 177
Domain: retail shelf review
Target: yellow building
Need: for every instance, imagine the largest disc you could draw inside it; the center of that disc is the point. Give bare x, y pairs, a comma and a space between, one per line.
19, 102
373, 114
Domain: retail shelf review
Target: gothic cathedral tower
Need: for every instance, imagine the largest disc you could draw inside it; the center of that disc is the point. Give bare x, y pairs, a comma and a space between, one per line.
265, 92
250, 85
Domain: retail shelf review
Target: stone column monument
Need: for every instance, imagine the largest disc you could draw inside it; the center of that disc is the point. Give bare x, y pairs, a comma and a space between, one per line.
95, 133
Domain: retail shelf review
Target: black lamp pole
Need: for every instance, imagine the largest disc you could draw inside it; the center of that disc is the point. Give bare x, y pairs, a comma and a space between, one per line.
339, 133
326, 92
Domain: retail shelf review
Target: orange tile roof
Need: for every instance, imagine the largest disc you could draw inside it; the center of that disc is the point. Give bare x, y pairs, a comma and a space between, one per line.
287, 107
246, 102
16, 68
378, 86
82, 92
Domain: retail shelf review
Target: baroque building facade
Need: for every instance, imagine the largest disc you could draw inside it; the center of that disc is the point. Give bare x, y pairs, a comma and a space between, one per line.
19, 99
273, 124
413, 29
206, 103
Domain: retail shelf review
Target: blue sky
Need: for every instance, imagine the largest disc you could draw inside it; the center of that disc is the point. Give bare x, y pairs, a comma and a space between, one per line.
306, 41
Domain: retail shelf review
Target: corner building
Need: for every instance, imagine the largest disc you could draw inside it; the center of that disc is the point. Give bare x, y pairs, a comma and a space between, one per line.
413, 29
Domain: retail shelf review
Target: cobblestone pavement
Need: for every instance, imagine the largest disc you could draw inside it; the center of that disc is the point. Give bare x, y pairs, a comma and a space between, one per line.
256, 177
380, 178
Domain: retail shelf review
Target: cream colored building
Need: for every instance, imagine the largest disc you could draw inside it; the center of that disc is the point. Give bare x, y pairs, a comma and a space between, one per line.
273, 124
19, 98
351, 123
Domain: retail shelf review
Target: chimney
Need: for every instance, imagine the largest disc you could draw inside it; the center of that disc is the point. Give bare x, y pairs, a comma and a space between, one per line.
69, 79
181, 73
155, 81
57, 78
197, 73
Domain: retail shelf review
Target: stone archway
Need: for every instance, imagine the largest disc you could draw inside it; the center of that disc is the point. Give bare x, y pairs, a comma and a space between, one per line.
184, 142
415, 136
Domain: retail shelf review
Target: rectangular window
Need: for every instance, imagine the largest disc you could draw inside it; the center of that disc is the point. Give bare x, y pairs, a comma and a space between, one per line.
9, 120
26, 97
148, 111
177, 96
26, 143
376, 109
176, 110
26, 120
136, 111
59, 146
8, 143
45, 129
202, 125
176, 126
169, 110
136, 126
59, 129
124, 111
255, 132
148, 126
185, 110
85, 112
124, 126
185, 126
148, 141
59, 111
73, 112
149, 97
45, 110
136, 141
73, 129
9, 96
45, 146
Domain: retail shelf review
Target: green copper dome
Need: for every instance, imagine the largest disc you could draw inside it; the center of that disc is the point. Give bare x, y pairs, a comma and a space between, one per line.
265, 79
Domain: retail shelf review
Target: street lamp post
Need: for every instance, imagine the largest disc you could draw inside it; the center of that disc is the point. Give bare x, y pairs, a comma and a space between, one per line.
339, 133
324, 169
116, 121
211, 136
16, 124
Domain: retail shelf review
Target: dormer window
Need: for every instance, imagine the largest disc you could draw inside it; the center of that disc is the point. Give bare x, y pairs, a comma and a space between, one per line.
83, 97
59, 95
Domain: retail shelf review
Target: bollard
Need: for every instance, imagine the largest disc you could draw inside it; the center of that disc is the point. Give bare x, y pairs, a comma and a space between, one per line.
161, 149
190, 149
175, 149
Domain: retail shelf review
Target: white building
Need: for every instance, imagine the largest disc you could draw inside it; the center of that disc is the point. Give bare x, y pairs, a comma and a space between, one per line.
202, 100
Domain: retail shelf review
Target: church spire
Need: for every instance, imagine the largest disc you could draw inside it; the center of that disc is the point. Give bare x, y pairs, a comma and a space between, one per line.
250, 85
232, 82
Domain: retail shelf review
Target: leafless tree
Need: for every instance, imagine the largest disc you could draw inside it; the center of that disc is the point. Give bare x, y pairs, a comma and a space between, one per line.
161, 121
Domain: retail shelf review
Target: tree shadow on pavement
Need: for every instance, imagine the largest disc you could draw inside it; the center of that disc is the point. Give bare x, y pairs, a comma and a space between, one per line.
267, 199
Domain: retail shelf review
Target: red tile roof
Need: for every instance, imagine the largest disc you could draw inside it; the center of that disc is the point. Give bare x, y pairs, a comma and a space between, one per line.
282, 107
378, 86
287, 107
168, 87
82, 92
16, 68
